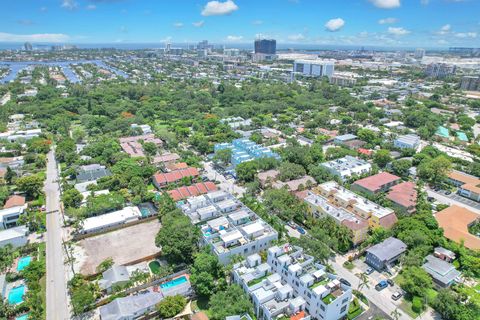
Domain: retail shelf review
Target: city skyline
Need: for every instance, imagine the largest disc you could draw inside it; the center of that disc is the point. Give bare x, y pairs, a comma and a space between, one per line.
389, 23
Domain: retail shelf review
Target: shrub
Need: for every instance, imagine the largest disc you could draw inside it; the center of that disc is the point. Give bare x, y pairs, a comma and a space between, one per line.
417, 304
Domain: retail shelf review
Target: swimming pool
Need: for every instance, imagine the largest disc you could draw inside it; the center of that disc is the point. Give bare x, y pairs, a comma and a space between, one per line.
22, 317
173, 283
23, 263
15, 296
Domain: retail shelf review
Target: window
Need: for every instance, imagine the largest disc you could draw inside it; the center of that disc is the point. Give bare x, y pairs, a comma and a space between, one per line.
343, 309
344, 300
322, 307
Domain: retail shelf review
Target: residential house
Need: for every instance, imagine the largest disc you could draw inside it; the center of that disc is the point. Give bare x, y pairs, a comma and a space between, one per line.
444, 254
92, 172
111, 220
133, 145
161, 179
408, 141
342, 139
270, 178
114, 276
385, 254
14, 201
10, 216
192, 191
443, 273
16, 236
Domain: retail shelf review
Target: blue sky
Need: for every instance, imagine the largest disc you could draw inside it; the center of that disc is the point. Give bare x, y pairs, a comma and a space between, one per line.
427, 23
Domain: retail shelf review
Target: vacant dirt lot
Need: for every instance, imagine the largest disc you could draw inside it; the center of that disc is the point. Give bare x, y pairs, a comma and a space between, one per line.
123, 246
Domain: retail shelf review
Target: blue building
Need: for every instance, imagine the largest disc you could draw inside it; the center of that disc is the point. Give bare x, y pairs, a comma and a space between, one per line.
244, 150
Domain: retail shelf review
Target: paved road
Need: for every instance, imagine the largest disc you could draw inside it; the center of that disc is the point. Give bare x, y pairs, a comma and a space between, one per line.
386, 304
225, 184
454, 199
57, 302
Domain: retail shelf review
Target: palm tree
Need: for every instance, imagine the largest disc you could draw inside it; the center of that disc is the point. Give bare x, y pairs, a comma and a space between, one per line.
395, 314
363, 282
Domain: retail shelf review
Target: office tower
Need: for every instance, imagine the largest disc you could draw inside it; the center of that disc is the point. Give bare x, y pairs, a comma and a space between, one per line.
419, 53
266, 46
440, 70
470, 83
28, 46
315, 68
168, 47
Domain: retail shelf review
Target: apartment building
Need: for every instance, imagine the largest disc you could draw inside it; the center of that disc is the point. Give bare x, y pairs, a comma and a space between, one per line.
468, 185
228, 226
378, 183
321, 207
291, 284
376, 215
347, 166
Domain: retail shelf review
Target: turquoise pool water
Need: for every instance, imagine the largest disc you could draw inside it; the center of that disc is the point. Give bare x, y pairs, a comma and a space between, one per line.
22, 317
173, 283
23, 263
15, 296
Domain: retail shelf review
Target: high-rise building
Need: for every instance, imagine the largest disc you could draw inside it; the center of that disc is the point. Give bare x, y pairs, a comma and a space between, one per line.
419, 53
315, 68
202, 45
266, 46
168, 47
440, 70
28, 46
470, 83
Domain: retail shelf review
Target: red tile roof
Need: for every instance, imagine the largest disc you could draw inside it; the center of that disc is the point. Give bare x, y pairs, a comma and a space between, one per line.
364, 151
455, 221
169, 177
403, 194
14, 201
388, 221
374, 183
193, 190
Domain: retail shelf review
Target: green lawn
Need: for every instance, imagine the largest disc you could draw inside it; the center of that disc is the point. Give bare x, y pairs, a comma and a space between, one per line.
406, 307
431, 295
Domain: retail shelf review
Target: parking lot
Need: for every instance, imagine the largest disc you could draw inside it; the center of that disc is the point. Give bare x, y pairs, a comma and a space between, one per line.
123, 246
453, 198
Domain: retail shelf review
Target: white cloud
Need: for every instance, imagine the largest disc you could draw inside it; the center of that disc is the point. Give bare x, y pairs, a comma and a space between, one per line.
466, 35
334, 24
442, 41
218, 8
178, 25
398, 31
388, 20
69, 4
38, 37
91, 7
198, 24
296, 37
386, 4
445, 29
234, 38
43, 9
257, 22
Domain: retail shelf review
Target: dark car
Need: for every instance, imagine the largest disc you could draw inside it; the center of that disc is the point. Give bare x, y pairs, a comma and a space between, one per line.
431, 199
390, 282
301, 230
345, 282
381, 285
448, 192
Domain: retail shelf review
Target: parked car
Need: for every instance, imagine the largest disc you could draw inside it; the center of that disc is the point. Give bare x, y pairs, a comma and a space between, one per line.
396, 295
430, 199
390, 282
448, 192
345, 282
301, 230
369, 271
381, 285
